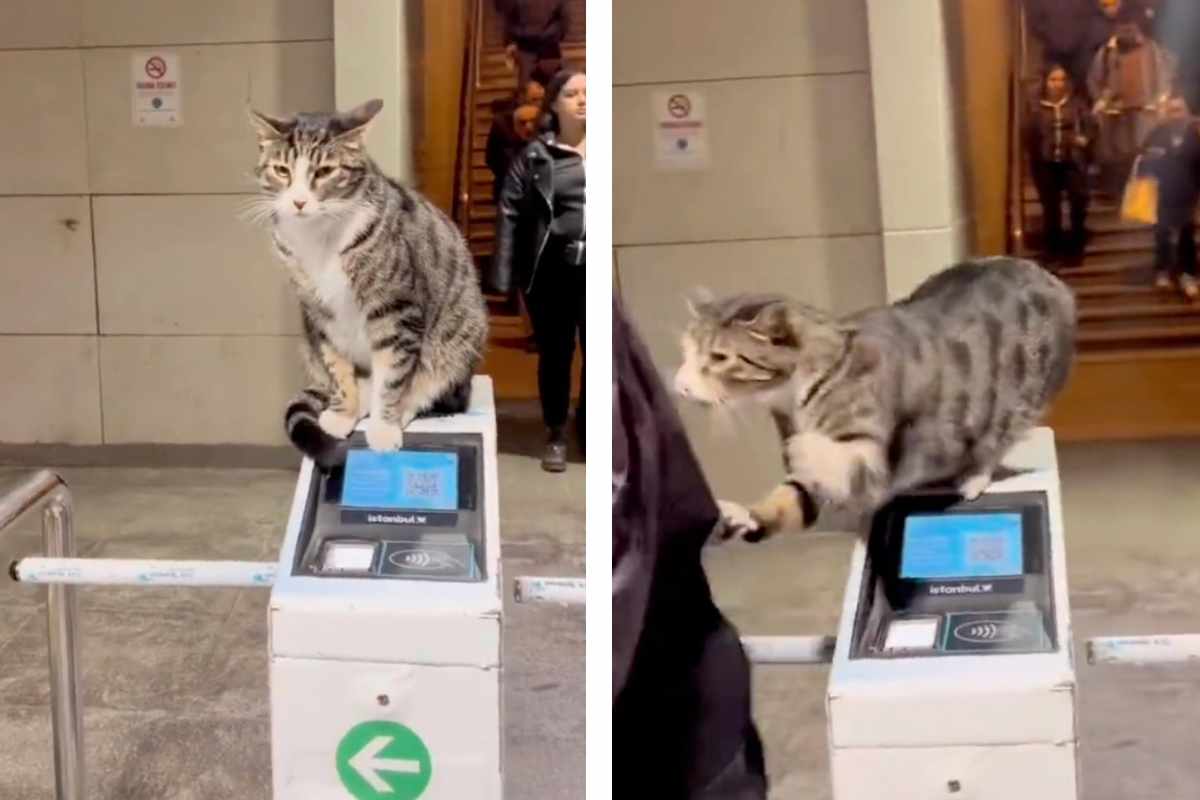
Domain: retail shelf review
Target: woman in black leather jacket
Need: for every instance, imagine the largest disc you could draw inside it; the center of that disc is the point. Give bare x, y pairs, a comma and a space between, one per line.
541, 249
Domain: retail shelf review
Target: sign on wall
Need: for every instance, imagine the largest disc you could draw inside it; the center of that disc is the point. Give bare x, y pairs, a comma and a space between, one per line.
157, 90
680, 131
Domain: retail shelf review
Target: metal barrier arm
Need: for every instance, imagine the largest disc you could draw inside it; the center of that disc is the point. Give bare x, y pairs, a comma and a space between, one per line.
144, 572
1142, 650
58, 540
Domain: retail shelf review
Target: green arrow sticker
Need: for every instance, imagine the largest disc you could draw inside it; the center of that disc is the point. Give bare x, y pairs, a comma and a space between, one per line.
378, 760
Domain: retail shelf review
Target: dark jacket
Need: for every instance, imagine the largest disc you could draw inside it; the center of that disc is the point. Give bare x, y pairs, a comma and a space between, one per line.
1130, 71
1051, 130
681, 681
1171, 153
1069, 26
503, 144
534, 24
1064, 26
524, 212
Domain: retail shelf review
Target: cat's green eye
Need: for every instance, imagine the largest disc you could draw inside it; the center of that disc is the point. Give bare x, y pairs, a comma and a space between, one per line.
323, 172
282, 171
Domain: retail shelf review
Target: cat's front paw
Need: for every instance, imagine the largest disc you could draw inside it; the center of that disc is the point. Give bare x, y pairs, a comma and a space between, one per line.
974, 485
384, 435
336, 423
737, 521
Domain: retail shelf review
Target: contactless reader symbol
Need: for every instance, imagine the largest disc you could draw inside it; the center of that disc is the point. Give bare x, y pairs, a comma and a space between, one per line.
986, 632
425, 560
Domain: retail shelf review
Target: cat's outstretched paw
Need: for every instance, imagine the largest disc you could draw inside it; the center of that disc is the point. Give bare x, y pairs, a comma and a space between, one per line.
336, 423
736, 520
975, 485
384, 435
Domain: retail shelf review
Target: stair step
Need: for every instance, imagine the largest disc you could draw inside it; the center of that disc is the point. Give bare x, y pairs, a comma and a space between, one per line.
1113, 292
481, 232
1170, 306
1122, 242
1141, 335
1109, 263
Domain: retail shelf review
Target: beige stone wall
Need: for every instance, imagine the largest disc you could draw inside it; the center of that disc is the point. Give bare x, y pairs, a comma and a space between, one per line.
135, 306
790, 201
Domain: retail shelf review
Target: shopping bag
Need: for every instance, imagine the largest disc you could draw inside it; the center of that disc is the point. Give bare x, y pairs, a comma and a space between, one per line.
1140, 203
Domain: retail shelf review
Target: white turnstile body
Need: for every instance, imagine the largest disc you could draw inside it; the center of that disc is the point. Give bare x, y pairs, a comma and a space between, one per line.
953, 674
385, 674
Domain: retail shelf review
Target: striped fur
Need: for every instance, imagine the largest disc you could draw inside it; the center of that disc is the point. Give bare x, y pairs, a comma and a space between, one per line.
394, 319
930, 390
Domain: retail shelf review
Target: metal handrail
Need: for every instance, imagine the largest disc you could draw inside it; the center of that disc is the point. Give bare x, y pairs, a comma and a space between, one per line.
1016, 166
58, 540
466, 126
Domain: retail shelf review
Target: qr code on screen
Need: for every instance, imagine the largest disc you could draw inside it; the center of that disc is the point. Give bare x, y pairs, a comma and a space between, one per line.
985, 549
421, 483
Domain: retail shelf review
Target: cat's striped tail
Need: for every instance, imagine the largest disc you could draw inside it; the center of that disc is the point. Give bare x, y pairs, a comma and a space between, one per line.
300, 422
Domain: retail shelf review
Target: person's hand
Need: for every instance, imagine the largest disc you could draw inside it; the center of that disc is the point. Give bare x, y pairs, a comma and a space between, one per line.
1081, 141
510, 57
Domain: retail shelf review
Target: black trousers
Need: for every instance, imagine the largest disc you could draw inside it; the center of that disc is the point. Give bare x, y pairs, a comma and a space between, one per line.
1175, 245
556, 307
1055, 179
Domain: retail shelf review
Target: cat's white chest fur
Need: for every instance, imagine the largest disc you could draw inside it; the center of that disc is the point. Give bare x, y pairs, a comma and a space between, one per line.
316, 245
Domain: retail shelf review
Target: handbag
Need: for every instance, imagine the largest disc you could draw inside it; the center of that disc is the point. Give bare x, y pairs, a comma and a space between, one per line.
1140, 202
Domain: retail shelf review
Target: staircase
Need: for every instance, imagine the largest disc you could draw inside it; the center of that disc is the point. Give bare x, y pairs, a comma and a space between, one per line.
1119, 308
1137, 371
510, 360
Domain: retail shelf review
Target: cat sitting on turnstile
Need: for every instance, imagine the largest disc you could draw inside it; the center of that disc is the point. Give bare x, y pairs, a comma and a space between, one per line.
387, 286
934, 388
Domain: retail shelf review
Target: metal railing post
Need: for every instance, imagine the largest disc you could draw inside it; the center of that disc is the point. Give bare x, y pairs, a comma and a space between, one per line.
58, 533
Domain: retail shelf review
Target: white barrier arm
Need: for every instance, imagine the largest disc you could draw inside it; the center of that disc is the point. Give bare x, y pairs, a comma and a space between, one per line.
1144, 649
789, 649
144, 572
568, 591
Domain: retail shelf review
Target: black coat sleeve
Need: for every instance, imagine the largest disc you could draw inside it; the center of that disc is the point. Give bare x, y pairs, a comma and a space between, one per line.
509, 208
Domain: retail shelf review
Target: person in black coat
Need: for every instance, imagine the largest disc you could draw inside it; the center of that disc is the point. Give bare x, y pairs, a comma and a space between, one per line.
1071, 31
507, 136
534, 31
1058, 134
541, 249
1171, 154
682, 726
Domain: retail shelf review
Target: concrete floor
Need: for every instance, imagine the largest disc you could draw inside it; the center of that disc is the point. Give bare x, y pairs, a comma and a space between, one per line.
175, 680
1133, 542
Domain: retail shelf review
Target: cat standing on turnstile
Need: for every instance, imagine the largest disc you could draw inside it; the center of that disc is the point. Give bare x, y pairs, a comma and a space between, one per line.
934, 388
387, 286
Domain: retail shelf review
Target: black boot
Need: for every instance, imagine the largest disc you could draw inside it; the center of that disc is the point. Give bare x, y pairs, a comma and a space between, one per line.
554, 457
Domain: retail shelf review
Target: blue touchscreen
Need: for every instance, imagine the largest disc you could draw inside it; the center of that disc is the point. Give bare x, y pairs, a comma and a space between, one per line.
405, 479
961, 546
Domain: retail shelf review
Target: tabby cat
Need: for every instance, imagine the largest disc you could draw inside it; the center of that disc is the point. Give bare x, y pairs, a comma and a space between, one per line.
394, 319
932, 389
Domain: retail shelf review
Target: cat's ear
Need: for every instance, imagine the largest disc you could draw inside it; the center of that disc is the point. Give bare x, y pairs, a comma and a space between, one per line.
776, 324
270, 128
699, 302
356, 122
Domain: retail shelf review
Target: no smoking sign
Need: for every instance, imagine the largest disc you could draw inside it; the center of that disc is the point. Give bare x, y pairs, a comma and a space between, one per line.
680, 131
157, 90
